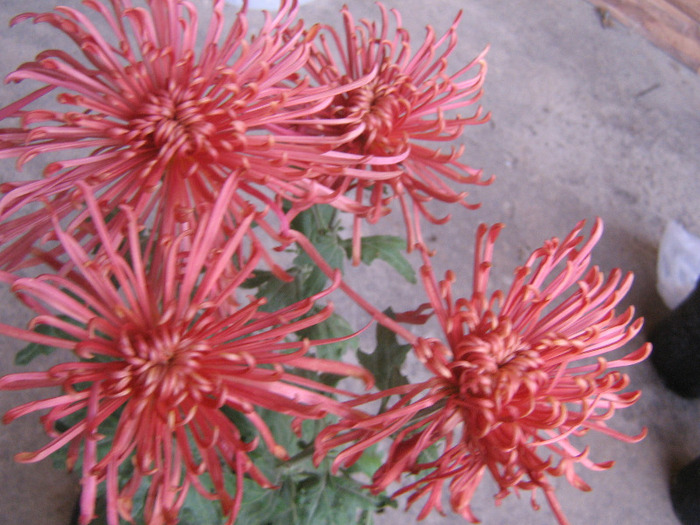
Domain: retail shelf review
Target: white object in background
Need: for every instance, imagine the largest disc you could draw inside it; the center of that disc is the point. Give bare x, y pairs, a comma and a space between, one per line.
678, 265
270, 5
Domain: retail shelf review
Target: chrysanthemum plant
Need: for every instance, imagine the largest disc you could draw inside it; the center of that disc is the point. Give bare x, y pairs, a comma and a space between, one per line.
184, 265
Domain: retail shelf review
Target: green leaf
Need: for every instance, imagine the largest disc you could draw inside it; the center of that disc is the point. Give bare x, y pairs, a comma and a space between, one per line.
332, 251
308, 279
389, 249
281, 427
313, 281
326, 499
368, 463
32, 351
266, 506
333, 327
330, 248
317, 221
258, 279
386, 360
242, 423
306, 495
429, 455
319, 225
280, 294
197, 510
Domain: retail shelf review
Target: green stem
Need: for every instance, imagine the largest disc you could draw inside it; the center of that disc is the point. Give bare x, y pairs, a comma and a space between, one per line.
293, 462
372, 310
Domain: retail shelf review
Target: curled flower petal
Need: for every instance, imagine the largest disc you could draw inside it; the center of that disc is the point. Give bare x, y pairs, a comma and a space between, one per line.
164, 125
406, 101
515, 375
161, 343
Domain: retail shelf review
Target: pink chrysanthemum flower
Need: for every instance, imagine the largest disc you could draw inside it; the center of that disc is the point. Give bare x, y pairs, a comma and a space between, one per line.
405, 105
516, 375
165, 347
164, 125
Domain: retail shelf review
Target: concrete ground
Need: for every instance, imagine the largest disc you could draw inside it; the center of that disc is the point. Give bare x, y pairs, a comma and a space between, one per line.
587, 121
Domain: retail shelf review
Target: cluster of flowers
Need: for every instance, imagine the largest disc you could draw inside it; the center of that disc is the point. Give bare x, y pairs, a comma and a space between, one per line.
201, 153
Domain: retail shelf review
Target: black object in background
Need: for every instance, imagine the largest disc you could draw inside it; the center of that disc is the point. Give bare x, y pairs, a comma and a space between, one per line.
685, 493
676, 342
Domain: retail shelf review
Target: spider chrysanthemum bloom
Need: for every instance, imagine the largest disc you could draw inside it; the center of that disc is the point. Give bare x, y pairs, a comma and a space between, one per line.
163, 124
166, 349
516, 375
407, 103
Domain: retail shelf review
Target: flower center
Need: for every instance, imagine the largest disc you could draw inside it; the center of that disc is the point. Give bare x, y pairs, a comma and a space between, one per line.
495, 364
381, 108
496, 377
174, 124
161, 365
